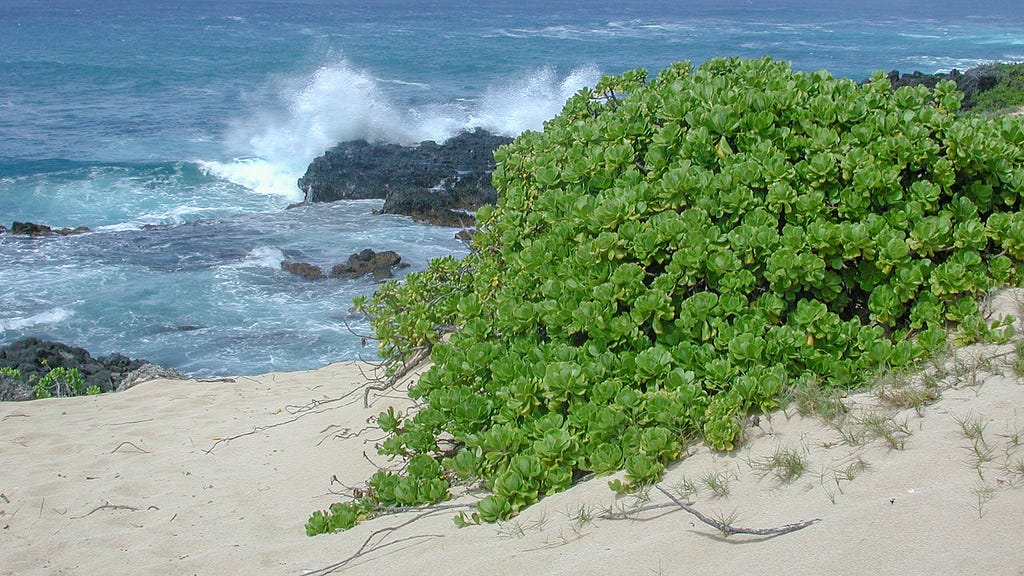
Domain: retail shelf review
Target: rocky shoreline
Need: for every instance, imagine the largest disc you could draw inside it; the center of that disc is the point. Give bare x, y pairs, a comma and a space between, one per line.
33, 359
440, 184
971, 82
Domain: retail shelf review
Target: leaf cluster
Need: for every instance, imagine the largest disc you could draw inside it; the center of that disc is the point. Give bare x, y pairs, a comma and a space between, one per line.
671, 254
412, 314
422, 482
58, 381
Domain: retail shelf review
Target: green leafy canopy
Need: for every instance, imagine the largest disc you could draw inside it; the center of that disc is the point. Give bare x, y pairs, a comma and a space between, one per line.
671, 254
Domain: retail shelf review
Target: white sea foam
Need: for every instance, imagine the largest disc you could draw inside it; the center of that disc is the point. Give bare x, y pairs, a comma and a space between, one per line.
293, 120
940, 64
49, 317
297, 119
527, 101
259, 175
263, 257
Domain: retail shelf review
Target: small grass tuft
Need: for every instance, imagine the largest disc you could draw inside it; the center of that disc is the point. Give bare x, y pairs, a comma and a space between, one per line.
1016, 468
686, 489
983, 494
907, 395
813, 399
1018, 359
516, 528
718, 482
1013, 439
724, 519
852, 470
876, 425
839, 475
786, 464
973, 428
581, 516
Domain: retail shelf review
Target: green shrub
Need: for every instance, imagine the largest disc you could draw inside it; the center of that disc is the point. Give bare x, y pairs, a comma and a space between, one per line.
669, 255
1007, 93
61, 381
13, 373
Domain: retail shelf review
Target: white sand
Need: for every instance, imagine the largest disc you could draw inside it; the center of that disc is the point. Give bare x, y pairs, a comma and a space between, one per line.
158, 480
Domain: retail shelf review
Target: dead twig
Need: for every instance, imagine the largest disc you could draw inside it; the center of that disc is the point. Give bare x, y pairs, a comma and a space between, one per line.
107, 506
632, 512
343, 434
728, 530
132, 444
421, 354
130, 422
314, 407
376, 540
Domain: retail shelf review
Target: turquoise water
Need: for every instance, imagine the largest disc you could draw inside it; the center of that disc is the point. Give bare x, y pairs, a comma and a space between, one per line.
176, 131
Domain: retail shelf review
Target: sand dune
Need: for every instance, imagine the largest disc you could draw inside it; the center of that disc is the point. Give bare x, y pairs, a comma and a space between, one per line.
189, 477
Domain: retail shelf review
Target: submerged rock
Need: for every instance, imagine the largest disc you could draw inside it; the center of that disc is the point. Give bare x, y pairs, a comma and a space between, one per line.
435, 183
36, 230
367, 262
380, 264
34, 358
304, 270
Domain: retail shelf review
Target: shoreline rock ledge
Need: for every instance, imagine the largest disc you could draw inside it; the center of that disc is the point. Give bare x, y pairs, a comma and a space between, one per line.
440, 184
34, 358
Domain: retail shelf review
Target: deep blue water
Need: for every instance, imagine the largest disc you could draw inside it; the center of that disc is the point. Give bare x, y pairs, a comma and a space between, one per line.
198, 117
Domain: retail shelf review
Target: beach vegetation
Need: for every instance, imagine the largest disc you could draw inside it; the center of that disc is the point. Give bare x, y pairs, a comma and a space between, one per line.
902, 390
686, 489
673, 253
9, 372
810, 398
61, 381
857, 429
1018, 358
841, 474
785, 464
1008, 92
719, 482
58, 381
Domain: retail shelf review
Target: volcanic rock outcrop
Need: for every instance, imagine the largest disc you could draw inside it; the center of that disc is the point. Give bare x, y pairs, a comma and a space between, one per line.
440, 184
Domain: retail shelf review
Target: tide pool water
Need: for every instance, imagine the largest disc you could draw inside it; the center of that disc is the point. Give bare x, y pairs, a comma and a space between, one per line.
176, 130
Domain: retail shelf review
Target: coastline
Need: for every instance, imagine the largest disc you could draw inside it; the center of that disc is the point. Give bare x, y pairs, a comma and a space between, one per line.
218, 476
183, 476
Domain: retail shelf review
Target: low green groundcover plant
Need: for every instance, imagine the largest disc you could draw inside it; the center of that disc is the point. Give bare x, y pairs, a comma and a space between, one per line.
59, 381
670, 254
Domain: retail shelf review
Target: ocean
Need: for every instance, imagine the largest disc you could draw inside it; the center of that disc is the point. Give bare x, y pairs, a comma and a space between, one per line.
176, 129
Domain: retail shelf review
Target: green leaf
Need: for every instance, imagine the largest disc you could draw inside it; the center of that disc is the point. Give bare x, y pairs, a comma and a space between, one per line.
493, 508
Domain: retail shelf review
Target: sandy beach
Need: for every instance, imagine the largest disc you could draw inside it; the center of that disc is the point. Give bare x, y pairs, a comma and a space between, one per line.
219, 477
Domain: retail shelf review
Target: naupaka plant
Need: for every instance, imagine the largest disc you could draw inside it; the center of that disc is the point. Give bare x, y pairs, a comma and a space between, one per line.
669, 254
